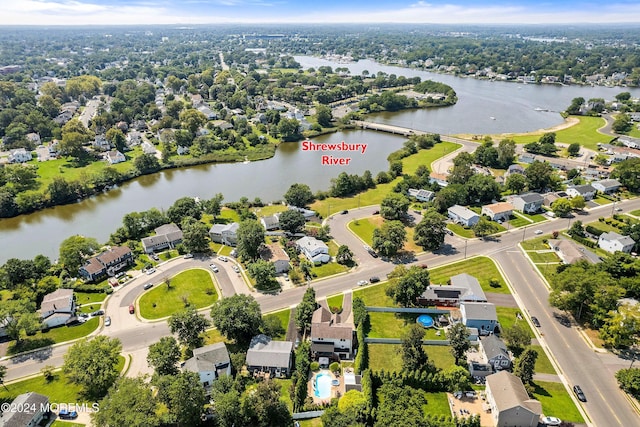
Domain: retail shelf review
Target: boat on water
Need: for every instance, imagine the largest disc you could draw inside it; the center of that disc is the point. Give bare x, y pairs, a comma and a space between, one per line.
492, 118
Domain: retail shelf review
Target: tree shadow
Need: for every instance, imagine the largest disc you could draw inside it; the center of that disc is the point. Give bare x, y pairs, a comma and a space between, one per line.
31, 344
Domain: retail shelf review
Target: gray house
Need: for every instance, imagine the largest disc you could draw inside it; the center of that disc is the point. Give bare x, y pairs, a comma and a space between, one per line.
528, 203
462, 215
607, 186
495, 352
209, 362
268, 356
167, 236
32, 411
587, 191
480, 315
227, 234
510, 404
464, 287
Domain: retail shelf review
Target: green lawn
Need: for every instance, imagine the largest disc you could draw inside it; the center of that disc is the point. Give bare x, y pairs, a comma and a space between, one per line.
461, 231
167, 255
635, 213
535, 244
437, 404
333, 248
212, 336
335, 301
389, 356
64, 168
268, 210
394, 325
311, 422
556, 402
601, 200
375, 296
544, 257
543, 364
535, 217
285, 395
89, 297
518, 222
328, 269
194, 285
55, 335
440, 355
363, 228
482, 268
283, 317
507, 318
58, 423
601, 225
375, 195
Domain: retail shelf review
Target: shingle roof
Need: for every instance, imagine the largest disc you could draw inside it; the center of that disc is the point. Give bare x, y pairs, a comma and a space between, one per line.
569, 249
208, 358
608, 183
470, 283
325, 325
265, 352
493, 347
583, 189
499, 207
509, 392
116, 252
613, 236
532, 197
27, 401
462, 212
479, 310
60, 299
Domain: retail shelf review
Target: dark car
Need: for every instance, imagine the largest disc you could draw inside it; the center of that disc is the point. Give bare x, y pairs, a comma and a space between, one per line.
579, 393
535, 321
376, 212
65, 414
132, 309
344, 212
374, 279
98, 313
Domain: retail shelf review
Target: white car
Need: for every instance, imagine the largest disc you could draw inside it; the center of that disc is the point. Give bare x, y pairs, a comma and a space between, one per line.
213, 268
236, 269
151, 271
223, 258
551, 421
538, 231
362, 283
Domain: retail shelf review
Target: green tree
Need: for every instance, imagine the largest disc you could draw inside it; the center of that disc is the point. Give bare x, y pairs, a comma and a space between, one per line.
517, 338
578, 203
136, 396
74, 249
389, 238
188, 325
18, 317
459, 341
238, 317
291, 221
304, 310
457, 378
146, 163
359, 311
264, 273
192, 119
506, 152
394, 206
92, 364
621, 329
462, 169
622, 123
164, 355
288, 129
452, 194
250, 239
409, 286
576, 230
299, 195
227, 408
573, 149
116, 137
413, 354
628, 173
484, 227
629, 381
184, 207
561, 207
430, 231
525, 364
399, 405
482, 189
195, 236
263, 407
516, 183
213, 206
539, 175
344, 255
324, 115
184, 396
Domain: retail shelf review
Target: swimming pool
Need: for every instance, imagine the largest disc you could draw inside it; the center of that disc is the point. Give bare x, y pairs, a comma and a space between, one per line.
322, 385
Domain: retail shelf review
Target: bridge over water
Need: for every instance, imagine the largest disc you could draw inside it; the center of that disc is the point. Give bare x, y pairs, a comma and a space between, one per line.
397, 130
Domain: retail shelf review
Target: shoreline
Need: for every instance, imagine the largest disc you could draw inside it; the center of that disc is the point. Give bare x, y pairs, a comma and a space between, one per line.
568, 122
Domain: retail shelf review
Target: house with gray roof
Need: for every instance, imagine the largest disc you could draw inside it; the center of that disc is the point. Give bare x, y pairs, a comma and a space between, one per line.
33, 411
57, 308
315, 250
510, 403
527, 203
463, 287
514, 168
268, 356
587, 191
568, 250
107, 263
167, 236
271, 222
209, 362
495, 353
330, 337
421, 195
480, 315
227, 234
461, 215
607, 186
613, 242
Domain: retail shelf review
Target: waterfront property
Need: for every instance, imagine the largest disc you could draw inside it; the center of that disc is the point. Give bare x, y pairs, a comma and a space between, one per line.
167, 236
227, 234
107, 263
57, 308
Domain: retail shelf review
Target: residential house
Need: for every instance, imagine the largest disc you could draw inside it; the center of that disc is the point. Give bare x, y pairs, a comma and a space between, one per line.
421, 195
181, 150
167, 236
315, 250
495, 353
461, 215
527, 158
438, 178
134, 138
587, 191
510, 403
568, 251
463, 287
19, 155
527, 203
271, 222
480, 315
277, 256
209, 362
208, 112
222, 124
514, 168
477, 369
100, 143
33, 411
306, 213
613, 242
330, 337
607, 186
34, 138
148, 148
227, 234
268, 356
57, 308
549, 198
114, 157
108, 263
500, 211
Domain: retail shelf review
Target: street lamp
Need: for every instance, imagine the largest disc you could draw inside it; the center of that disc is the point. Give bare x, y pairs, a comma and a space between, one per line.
465, 248
613, 208
524, 230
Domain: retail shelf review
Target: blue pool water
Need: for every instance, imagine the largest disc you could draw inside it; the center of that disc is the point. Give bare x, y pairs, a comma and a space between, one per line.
425, 321
322, 385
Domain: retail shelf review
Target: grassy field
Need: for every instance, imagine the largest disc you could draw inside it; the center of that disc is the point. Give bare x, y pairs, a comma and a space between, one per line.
283, 317
58, 423
518, 222
482, 268
556, 402
635, 213
55, 335
392, 325
363, 228
437, 404
268, 210
375, 296
543, 364
89, 297
194, 285
336, 301
312, 422
389, 356
328, 269
285, 395
536, 244
544, 257
507, 318
64, 168
461, 231
374, 196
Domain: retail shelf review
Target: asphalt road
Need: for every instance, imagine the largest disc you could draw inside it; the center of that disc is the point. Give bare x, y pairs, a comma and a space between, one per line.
579, 364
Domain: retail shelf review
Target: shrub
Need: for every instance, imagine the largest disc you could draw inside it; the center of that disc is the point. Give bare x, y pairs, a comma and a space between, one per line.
334, 367
315, 366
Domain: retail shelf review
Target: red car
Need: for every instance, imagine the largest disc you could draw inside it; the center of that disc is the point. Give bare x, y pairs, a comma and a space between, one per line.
132, 309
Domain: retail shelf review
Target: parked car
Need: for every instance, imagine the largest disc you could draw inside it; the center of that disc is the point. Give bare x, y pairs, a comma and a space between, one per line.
213, 268
132, 309
344, 212
551, 421
65, 414
148, 286
362, 282
374, 279
97, 313
119, 275
155, 257
236, 269
187, 256
424, 266
376, 212
535, 321
579, 393
449, 232
538, 232
107, 321
223, 258
151, 271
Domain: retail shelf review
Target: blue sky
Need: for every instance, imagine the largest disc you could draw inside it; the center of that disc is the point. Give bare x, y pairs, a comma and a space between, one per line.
101, 12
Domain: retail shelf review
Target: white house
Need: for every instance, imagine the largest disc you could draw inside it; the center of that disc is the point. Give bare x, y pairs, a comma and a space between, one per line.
330, 336
274, 254
57, 307
607, 186
210, 363
438, 178
462, 215
114, 157
586, 191
527, 203
148, 148
271, 222
421, 195
613, 242
315, 250
500, 211
227, 234
510, 403
19, 155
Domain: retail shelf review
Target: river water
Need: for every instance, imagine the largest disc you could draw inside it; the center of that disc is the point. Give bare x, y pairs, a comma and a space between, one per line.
483, 107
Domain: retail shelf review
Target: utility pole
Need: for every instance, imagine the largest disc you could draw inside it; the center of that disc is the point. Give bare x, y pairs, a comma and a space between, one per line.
524, 230
465, 248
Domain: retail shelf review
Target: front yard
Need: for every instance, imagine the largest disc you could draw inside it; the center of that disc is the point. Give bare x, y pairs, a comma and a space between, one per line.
482, 268
54, 335
556, 402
